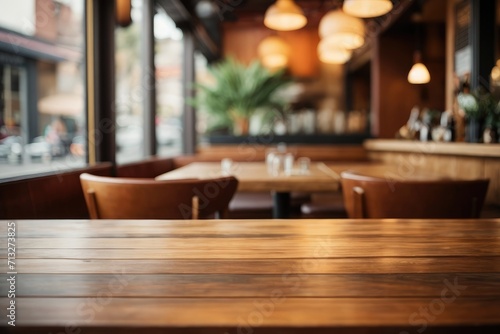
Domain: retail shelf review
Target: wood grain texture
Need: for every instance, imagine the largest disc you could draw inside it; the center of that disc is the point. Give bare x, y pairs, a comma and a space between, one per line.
292, 281
288, 312
259, 276
346, 265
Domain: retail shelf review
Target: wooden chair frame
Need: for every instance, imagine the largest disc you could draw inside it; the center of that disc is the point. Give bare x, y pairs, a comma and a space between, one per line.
134, 198
376, 197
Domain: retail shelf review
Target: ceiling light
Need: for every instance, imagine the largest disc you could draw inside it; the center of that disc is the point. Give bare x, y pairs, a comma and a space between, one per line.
273, 52
331, 53
284, 15
344, 30
367, 8
419, 74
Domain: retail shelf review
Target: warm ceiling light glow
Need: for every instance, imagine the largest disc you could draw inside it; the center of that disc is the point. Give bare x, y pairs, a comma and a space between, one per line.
273, 52
332, 54
367, 8
419, 74
344, 30
122, 10
284, 15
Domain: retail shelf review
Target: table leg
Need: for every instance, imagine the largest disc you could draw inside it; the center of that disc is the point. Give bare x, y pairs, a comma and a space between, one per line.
281, 205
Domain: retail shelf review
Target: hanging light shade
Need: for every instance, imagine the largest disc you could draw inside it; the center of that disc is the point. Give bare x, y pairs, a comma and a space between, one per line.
367, 8
419, 74
273, 52
285, 15
331, 53
342, 29
122, 10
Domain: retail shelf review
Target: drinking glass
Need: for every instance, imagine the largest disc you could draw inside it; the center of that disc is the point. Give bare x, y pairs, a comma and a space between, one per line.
288, 163
304, 164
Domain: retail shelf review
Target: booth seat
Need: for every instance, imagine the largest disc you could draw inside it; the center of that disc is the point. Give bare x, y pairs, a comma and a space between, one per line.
57, 195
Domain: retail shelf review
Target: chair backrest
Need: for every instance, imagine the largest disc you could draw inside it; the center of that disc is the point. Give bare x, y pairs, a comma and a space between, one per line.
376, 197
133, 198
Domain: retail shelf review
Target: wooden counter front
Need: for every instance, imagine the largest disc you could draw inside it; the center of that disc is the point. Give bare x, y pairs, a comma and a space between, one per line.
461, 160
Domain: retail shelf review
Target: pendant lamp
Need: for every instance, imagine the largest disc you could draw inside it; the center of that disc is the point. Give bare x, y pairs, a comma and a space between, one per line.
367, 8
419, 74
332, 53
342, 29
285, 15
273, 52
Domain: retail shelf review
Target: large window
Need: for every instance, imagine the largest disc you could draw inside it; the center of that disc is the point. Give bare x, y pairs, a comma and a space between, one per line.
42, 119
169, 57
130, 91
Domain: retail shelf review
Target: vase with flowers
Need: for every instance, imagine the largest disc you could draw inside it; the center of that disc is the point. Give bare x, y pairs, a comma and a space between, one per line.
481, 110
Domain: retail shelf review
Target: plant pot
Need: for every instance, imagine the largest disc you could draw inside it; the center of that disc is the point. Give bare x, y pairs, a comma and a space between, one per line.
241, 126
473, 133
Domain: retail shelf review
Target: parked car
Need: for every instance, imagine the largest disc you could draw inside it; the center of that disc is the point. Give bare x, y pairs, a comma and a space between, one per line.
11, 149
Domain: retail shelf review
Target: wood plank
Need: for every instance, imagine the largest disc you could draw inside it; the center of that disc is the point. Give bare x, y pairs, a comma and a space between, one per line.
343, 228
276, 252
368, 265
197, 313
292, 283
330, 244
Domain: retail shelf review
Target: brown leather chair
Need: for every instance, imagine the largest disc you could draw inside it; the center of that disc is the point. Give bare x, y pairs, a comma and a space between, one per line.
133, 198
376, 197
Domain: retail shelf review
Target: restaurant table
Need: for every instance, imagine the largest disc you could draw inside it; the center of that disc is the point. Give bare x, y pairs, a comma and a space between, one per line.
389, 276
254, 177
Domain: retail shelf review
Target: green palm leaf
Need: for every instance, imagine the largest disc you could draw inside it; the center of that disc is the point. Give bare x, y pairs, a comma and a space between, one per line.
238, 90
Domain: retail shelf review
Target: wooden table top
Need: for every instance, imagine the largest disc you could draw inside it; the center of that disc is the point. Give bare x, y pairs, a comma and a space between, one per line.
255, 276
253, 176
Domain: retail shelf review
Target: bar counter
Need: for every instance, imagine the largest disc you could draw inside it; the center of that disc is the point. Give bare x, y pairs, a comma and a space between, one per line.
454, 149
254, 276
459, 160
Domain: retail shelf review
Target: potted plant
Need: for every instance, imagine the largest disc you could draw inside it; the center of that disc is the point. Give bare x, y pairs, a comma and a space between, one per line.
475, 107
237, 92
491, 122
